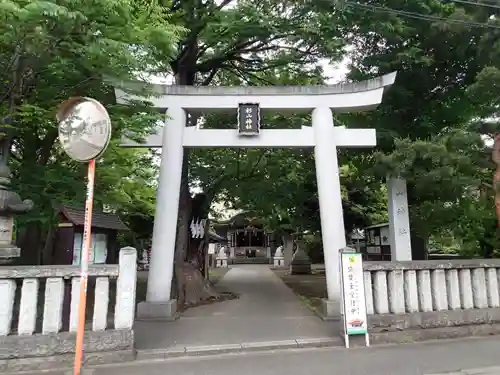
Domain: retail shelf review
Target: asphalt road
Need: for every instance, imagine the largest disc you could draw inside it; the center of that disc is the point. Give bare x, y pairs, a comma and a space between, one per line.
409, 359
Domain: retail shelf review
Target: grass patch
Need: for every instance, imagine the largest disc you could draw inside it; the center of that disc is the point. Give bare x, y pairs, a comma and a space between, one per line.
314, 303
311, 289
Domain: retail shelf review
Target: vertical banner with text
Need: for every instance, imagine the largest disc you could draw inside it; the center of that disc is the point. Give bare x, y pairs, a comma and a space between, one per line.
353, 295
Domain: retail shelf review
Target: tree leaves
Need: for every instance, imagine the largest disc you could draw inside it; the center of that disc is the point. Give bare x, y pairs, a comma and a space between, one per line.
51, 51
429, 126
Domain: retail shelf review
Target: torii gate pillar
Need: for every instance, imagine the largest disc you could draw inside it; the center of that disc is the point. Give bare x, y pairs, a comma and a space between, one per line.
330, 200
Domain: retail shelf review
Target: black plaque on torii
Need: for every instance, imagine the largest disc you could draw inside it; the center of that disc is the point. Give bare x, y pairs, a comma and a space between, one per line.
248, 119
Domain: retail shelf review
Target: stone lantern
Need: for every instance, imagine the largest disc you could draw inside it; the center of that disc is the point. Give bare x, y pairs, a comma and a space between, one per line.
300, 264
10, 205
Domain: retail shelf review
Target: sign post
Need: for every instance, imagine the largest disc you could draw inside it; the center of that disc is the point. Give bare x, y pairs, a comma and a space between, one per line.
353, 295
84, 134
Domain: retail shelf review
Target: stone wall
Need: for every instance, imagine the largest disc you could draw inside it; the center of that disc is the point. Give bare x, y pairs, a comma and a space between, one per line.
452, 297
39, 314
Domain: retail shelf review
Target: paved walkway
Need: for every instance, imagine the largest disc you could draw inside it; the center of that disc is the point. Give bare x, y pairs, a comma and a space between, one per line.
267, 310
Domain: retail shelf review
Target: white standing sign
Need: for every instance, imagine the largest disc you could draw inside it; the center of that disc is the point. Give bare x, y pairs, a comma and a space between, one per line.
353, 295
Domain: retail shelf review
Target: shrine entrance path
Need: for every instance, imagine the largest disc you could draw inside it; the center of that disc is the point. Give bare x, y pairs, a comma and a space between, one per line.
266, 311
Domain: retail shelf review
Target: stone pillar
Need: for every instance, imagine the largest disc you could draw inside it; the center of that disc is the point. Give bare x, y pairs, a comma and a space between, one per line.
331, 213
230, 245
126, 289
399, 220
229, 236
158, 302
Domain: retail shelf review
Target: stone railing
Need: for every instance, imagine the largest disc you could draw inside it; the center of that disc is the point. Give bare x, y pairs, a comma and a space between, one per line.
432, 294
39, 312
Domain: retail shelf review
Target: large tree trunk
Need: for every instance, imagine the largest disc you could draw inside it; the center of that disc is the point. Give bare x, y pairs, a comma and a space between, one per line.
182, 235
419, 241
30, 244
419, 248
190, 286
198, 247
198, 288
47, 253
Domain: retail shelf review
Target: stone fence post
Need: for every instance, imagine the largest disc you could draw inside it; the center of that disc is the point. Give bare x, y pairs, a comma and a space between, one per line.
125, 289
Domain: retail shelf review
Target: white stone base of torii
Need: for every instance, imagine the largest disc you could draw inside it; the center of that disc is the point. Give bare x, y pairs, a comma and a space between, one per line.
323, 136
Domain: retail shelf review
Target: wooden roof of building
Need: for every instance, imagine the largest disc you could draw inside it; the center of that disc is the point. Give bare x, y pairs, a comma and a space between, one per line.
215, 238
248, 220
99, 219
238, 220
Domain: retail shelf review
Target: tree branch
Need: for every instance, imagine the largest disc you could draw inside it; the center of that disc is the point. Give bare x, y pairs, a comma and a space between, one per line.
47, 144
215, 186
209, 78
223, 4
215, 62
240, 73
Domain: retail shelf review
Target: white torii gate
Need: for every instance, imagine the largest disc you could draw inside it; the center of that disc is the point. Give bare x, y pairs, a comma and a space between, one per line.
323, 136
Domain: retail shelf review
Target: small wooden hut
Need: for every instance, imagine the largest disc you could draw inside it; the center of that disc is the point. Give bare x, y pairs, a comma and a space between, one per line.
68, 241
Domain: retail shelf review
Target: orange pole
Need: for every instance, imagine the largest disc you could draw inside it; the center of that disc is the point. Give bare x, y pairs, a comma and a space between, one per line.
84, 265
